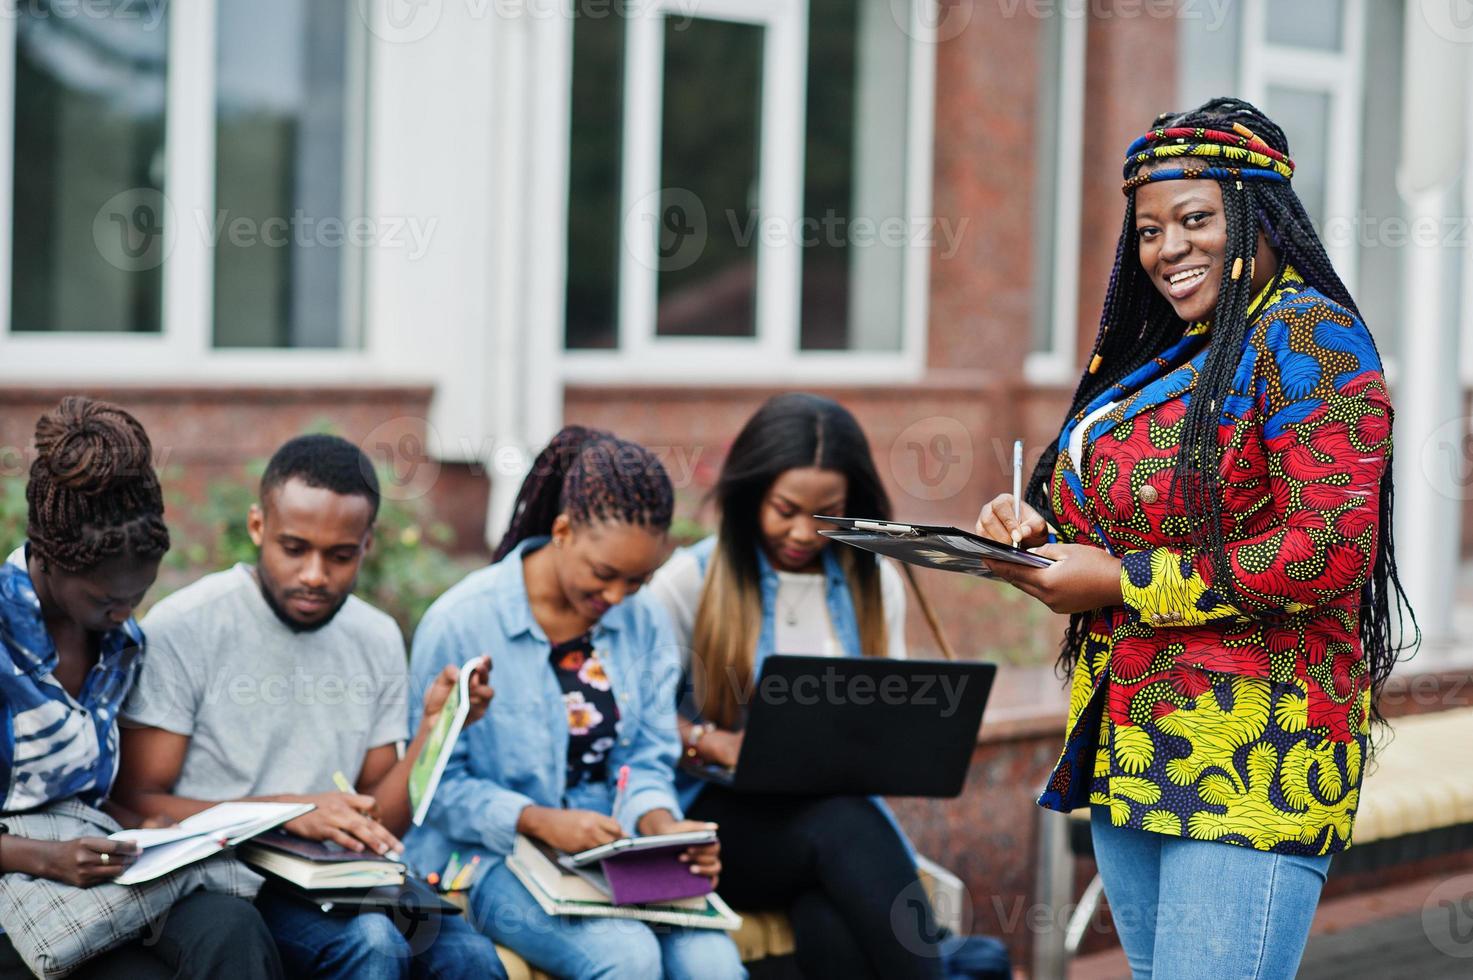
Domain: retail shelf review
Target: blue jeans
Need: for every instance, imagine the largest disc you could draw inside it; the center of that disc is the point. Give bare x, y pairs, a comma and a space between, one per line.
1191, 908
372, 946
586, 948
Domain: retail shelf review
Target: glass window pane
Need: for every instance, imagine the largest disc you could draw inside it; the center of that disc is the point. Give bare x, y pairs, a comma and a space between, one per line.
1046, 180
855, 232
1305, 23
1305, 119
89, 168
284, 230
1379, 289
594, 180
710, 142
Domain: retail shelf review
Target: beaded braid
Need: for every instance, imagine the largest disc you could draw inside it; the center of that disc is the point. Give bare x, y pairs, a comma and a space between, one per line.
590, 475
1137, 324
93, 493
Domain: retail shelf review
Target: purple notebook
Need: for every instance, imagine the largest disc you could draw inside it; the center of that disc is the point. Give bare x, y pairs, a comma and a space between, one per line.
646, 870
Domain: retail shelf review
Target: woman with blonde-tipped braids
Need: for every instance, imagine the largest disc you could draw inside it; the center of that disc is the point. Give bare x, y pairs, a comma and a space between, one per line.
1218, 502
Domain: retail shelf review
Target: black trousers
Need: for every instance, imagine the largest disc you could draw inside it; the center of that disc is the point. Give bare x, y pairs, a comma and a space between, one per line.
839, 869
204, 936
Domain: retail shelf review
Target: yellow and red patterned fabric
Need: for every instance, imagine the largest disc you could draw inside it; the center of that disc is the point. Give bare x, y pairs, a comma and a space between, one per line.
1189, 716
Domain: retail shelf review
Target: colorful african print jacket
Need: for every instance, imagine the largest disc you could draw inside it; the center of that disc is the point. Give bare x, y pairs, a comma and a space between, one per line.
1189, 716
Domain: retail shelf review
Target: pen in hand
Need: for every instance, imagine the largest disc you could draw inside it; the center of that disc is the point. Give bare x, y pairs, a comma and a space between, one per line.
1017, 491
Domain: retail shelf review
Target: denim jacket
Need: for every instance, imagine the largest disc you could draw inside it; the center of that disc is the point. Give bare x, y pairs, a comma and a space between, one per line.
516, 756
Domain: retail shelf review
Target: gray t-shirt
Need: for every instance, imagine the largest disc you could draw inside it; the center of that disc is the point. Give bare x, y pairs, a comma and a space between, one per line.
268, 711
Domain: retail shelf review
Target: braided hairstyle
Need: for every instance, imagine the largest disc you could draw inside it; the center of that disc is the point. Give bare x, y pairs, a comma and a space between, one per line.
590, 475
93, 493
1138, 323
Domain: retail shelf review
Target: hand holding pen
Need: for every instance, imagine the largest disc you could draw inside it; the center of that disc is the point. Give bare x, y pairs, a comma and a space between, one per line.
1008, 519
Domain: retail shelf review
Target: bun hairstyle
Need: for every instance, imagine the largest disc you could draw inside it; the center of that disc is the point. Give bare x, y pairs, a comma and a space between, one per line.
590, 475
93, 493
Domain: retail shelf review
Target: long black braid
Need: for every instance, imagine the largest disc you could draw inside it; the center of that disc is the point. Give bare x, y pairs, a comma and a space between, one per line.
590, 475
1138, 324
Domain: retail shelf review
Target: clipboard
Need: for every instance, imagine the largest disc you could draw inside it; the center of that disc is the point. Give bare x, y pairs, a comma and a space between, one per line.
949, 549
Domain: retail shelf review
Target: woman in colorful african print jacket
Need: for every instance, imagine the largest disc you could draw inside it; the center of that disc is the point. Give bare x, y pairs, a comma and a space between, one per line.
1220, 502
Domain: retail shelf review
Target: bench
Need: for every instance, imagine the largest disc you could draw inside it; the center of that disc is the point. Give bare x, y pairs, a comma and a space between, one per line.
1416, 802
767, 935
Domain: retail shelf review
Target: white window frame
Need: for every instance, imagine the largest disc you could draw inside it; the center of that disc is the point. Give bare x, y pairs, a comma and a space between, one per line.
1059, 362
774, 354
1340, 75
182, 351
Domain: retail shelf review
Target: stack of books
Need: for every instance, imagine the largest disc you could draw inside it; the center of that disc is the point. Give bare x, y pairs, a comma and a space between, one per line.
316, 865
563, 890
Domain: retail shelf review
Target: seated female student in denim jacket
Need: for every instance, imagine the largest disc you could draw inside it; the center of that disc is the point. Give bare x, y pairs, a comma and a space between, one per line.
585, 673
69, 652
768, 584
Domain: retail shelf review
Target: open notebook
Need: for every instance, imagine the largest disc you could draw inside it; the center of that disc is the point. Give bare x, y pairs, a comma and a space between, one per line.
202, 835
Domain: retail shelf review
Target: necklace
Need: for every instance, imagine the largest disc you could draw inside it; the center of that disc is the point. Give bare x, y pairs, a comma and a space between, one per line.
790, 609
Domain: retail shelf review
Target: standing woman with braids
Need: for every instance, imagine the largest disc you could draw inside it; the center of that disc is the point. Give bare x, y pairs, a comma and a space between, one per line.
586, 673
1222, 488
69, 652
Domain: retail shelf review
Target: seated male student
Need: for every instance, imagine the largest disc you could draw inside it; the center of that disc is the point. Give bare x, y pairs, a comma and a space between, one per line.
263, 683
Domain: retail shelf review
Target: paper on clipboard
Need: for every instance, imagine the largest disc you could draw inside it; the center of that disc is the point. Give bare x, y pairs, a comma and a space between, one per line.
948, 549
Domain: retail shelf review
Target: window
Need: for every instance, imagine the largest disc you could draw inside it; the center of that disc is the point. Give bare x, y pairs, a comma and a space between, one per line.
732, 188
124, 168
1304, 62
285, 243
1056, 197
87, 192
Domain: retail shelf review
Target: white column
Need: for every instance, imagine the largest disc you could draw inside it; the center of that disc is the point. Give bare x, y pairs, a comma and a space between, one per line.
1427, 392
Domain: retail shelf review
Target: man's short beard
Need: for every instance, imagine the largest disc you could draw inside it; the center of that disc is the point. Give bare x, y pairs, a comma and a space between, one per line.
286, 620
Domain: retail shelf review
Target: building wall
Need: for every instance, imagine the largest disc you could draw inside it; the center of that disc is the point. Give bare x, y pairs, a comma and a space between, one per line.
205, 435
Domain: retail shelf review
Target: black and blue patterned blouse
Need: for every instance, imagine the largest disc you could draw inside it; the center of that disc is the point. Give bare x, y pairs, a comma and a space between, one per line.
54, 746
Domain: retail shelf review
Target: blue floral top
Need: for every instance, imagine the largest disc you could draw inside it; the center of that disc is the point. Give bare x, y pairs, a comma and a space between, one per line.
54, 746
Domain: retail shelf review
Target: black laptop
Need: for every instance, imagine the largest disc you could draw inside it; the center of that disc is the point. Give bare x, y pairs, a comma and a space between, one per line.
851, 726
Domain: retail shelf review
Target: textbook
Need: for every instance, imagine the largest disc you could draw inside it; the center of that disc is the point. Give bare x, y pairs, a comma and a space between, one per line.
202, 835
949, 549
313, 865
639, 870
559, 891
424, 777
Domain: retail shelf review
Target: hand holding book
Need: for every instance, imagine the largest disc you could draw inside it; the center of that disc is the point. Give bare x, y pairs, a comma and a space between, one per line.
478, 689
704, 859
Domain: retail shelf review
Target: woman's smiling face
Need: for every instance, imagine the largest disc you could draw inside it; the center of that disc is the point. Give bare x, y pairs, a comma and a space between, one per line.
1182, 234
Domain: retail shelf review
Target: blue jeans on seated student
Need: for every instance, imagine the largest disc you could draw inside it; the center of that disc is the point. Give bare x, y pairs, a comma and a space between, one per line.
1195, 908
586, 948
370, 946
